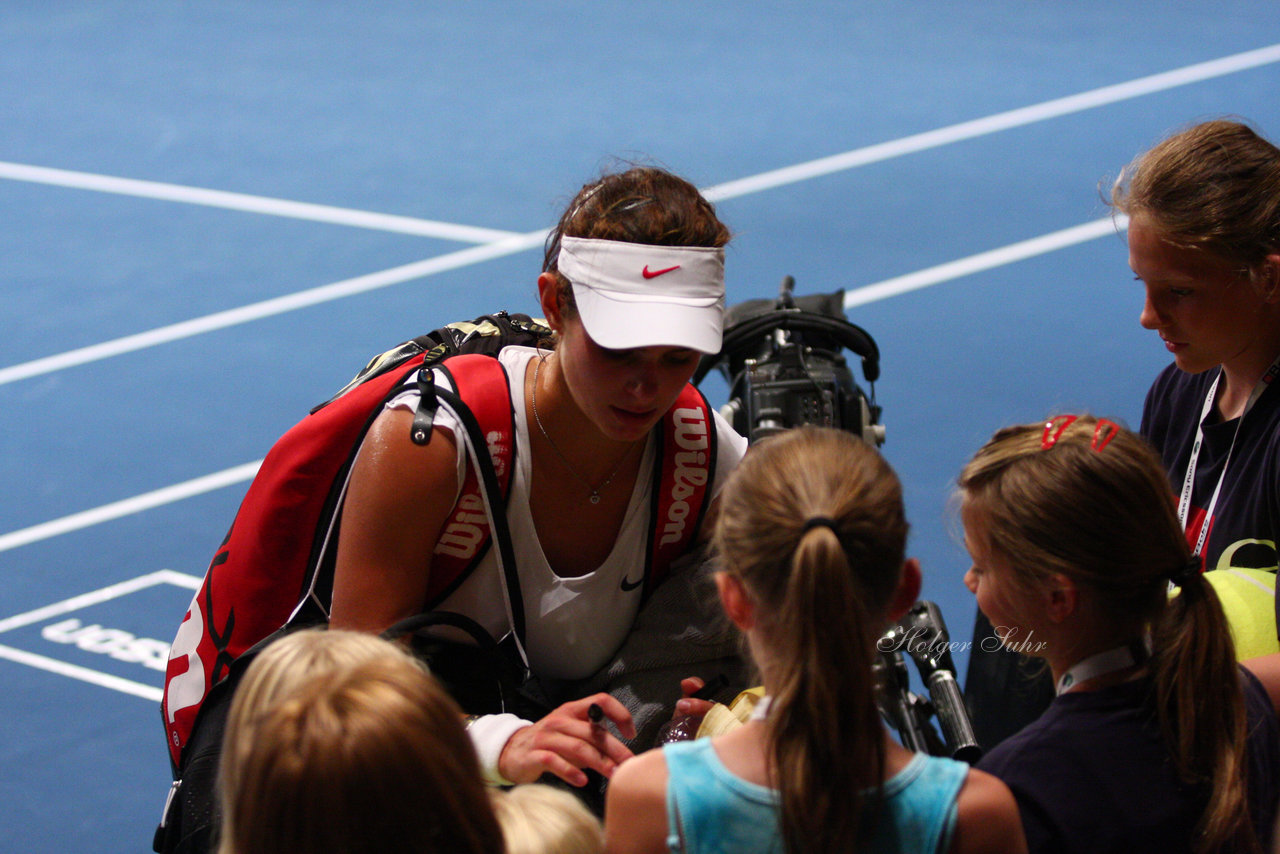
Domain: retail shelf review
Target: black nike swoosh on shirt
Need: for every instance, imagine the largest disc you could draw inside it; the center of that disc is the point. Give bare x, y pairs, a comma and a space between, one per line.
628, 586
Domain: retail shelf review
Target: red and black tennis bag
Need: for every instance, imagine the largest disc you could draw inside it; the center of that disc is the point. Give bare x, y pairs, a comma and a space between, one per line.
274, 568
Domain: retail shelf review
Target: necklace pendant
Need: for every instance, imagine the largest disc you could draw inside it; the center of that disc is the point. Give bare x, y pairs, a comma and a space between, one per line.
595, 490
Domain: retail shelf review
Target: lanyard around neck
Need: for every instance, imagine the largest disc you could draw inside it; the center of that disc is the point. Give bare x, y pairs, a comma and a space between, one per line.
1184, 500
1110, 661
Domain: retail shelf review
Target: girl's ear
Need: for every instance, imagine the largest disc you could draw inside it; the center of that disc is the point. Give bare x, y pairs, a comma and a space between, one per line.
736, 601
1062, 597
908, 590
549, 299
1270, 282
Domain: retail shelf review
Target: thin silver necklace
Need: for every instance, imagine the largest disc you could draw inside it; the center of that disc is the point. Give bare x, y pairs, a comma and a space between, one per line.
595, 490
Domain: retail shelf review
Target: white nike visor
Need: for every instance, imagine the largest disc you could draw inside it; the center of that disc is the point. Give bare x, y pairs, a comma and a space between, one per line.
636, 295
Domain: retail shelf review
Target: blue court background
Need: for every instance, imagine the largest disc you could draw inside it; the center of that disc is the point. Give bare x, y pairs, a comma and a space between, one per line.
490, 115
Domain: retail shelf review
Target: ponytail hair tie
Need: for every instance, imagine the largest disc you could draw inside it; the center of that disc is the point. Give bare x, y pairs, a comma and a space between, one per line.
1187, 572
819, 522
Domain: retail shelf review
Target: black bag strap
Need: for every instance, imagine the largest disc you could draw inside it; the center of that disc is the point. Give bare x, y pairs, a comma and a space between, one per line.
496, 508
425, 413
431, 619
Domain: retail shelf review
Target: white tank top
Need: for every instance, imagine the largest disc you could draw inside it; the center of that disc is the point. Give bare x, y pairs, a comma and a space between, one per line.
573, 625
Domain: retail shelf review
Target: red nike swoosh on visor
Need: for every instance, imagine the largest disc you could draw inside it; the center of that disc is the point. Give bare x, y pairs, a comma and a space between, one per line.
653, 274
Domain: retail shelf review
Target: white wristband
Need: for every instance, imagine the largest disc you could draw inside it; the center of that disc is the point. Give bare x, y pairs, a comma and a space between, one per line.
489, 734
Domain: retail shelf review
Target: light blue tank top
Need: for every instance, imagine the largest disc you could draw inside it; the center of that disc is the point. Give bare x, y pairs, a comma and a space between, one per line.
721, 813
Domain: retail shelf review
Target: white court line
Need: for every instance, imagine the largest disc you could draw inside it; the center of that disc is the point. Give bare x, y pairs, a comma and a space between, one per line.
250, 204
84, 674
860, 296
129, 506
998, 122
267, 308
1010, 254
97, 597
767, 180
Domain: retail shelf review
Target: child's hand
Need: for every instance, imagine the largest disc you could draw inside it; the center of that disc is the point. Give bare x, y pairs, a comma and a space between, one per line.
691, 705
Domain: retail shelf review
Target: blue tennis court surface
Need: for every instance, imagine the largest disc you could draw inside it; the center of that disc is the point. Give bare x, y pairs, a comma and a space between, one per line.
212, 214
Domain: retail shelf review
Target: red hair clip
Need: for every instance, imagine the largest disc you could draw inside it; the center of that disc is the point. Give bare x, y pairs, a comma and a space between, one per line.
1054, 428
1103, 432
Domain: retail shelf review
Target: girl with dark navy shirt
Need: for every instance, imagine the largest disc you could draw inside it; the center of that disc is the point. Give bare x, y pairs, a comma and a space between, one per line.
1156, 740
1204, 239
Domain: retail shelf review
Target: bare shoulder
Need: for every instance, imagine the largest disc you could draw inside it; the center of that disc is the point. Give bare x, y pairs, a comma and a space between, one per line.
397, 501
391, 468
635, 817
388, 442
987, 818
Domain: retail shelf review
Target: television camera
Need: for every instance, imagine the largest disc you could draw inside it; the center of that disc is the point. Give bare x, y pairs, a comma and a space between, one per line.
785, 364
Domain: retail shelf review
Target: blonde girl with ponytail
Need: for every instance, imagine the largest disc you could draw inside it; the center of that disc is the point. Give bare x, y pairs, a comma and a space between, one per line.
1156, 740
812, 537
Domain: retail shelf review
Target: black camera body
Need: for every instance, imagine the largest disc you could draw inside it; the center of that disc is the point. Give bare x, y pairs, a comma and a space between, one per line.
785, 364
795, 385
